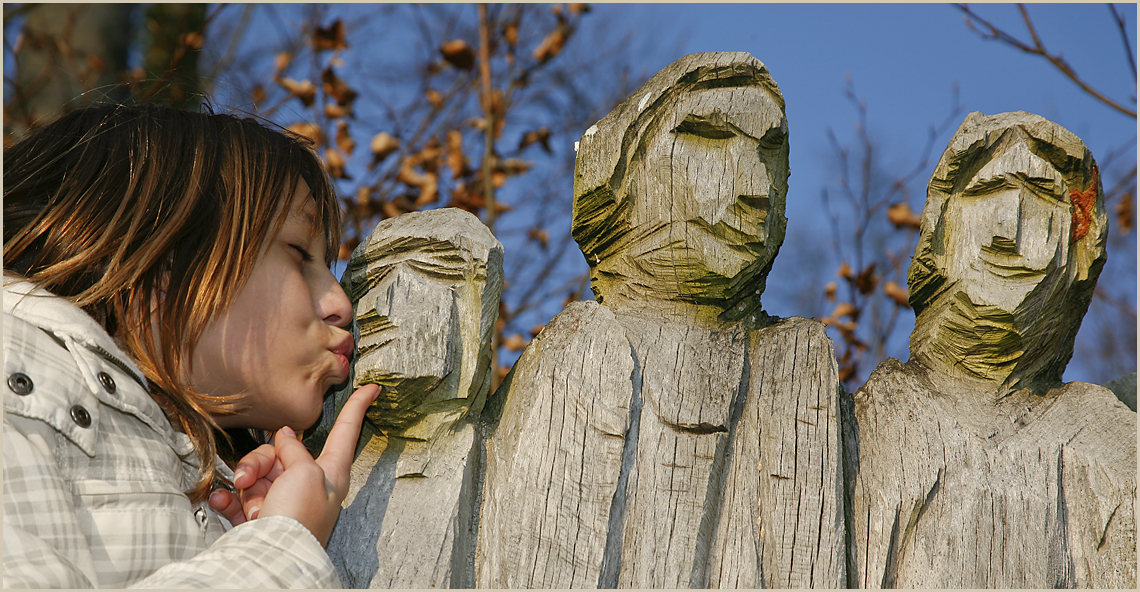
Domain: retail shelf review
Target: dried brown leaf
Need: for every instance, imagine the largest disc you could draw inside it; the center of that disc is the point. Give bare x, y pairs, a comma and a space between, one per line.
843, 309
902, 216
897, 293
363, 195
511, 33
845, 271
309, 130
337, 88
193, 40
382, 145
258, 94
578, 8
335, 161
304, 90
458, 53
867, 280
431, 155
330, 38
435, 98
539, 136
456, 159
540, 235
1125, 213
334, 111
829, 291
512, 166
344, 139
515, 342
347, 247
282, 61
551, 46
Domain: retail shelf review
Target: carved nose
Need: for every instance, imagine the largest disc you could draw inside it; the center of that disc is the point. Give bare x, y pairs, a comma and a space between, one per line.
1007, 225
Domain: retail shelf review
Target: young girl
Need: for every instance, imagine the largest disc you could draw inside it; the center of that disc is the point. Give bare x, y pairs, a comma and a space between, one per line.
166, 276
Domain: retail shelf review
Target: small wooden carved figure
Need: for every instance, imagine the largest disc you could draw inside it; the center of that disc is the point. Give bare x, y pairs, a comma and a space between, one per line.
671, 434
972, 464
425, 288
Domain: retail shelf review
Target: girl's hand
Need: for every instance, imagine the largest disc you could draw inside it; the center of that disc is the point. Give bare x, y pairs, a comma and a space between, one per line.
283, 479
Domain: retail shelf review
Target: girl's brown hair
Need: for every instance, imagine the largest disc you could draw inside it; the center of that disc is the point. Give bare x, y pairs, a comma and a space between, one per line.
127, 208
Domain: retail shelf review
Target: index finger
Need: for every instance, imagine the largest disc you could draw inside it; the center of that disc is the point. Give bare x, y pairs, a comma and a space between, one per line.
336, 457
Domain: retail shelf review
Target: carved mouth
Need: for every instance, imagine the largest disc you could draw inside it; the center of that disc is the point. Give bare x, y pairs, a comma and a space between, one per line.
1011, 268
748, 217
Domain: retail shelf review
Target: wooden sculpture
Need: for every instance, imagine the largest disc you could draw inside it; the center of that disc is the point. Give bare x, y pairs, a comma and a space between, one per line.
425, 288
972, 465
671, 434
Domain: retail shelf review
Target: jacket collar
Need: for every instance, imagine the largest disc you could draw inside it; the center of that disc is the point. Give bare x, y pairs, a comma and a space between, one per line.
65, 321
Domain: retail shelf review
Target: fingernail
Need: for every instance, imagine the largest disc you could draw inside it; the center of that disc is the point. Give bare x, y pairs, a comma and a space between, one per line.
216, 498
238, 474
254, 512
288, 431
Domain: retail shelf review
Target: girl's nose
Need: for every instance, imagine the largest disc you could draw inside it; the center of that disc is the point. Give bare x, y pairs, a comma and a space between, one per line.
332, 303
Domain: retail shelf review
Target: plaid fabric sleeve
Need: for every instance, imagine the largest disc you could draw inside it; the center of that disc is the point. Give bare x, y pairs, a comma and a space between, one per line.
271, 552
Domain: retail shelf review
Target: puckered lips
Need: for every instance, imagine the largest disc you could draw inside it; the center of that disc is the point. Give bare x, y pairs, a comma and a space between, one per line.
342, 351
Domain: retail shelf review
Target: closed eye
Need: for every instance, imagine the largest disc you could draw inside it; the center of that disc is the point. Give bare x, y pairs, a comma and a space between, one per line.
305, 256
713, 127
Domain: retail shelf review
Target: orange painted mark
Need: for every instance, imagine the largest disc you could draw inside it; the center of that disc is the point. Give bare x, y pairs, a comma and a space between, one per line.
1082, 207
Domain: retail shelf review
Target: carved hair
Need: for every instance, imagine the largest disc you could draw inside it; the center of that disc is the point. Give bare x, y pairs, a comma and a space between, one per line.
116, 207
601, 214
981, 139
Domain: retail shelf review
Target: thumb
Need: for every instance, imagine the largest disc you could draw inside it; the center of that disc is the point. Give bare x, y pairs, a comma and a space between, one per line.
290, 451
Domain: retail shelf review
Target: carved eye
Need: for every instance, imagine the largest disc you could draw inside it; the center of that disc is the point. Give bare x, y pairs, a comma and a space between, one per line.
712, 127
1045, 188
774, 138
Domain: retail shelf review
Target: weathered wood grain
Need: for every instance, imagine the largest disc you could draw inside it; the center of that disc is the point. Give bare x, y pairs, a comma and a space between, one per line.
716, 465
972, 465
1031, 492
781, 523
425, 289
691, 379
556, 457
721, 461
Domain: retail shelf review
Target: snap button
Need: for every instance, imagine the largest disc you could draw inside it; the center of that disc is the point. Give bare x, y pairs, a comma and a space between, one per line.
80, 416
200, 516
20, 383
107, 382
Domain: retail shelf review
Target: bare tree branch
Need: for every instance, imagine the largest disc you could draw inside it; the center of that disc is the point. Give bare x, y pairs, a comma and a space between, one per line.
1123, 27
1038, 48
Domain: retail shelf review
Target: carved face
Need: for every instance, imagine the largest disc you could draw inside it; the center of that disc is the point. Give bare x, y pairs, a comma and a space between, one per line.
1007, 230
710, 185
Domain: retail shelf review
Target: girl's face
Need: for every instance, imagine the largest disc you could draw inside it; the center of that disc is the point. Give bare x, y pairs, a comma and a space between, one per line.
280, 345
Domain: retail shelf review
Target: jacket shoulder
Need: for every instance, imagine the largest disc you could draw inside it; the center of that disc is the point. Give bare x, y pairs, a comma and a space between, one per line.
43, 382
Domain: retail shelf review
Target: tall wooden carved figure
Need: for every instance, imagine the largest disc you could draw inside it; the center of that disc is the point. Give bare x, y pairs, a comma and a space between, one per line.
425, 288
976, 467
671, 434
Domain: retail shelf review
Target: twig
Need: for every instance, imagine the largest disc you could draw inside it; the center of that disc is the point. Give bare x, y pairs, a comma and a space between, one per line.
1038, 48
1117, 304
1123, 26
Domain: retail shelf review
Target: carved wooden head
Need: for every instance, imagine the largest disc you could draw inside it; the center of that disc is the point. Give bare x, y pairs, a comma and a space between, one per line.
679, 192
425, 288
1012, 242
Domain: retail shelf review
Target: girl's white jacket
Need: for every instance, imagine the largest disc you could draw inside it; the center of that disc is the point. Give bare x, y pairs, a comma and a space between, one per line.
94, 473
